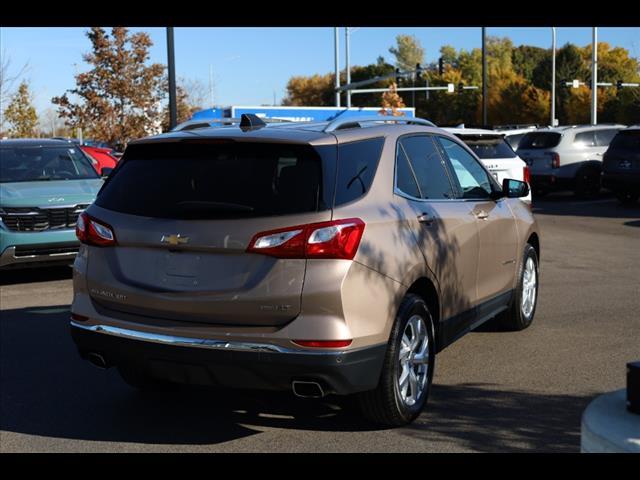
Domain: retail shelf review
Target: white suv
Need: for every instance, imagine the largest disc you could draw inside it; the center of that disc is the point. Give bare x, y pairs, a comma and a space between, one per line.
567, 157
496, 154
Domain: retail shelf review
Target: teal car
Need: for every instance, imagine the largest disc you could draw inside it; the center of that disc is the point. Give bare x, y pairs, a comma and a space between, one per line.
44, 185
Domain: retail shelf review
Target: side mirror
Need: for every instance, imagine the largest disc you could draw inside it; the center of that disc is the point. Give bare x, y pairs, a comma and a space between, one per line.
514, 188
106, 171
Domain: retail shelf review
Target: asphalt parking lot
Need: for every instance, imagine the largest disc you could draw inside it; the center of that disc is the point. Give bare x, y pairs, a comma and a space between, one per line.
493, 391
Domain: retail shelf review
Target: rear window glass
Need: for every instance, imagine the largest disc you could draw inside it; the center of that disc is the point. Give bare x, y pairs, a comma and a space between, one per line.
629, 140
514, 140
219, 180
534, 140
494, 147
357, 165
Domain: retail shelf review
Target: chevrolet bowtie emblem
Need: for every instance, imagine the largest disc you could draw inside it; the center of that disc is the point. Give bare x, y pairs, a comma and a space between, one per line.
174, 239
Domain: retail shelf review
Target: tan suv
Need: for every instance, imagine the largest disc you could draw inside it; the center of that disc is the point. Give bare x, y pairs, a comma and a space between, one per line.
332, 258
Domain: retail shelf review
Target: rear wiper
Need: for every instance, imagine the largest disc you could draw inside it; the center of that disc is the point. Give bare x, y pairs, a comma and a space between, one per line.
216, 206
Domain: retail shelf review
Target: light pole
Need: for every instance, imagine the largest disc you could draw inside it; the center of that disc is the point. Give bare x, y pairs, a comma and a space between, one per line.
484, 76
348, 64
594, 77
337, 64
173, 117
553, 77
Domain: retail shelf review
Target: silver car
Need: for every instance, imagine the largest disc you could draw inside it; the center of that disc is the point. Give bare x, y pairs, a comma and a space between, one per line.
568, 158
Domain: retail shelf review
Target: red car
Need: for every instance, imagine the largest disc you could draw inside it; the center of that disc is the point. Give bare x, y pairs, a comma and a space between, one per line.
100, 157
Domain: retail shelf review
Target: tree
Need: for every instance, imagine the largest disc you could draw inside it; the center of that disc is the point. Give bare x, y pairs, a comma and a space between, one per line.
185, 108
391, 102
7, 81
408, 52
526, 58
120, 98
21, 114
316, 90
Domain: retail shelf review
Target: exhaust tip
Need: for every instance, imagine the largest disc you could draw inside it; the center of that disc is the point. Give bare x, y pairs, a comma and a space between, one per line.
307, 389
97, 360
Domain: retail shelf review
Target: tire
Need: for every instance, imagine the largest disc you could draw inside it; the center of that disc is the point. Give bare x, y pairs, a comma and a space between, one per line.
518, 316
136, 378
626, 197
587, 183
389, 404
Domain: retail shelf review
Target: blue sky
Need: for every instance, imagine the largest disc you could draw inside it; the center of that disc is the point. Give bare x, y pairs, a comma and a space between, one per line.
250, 64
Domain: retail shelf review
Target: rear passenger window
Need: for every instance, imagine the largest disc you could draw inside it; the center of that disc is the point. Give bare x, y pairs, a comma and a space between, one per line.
585, 139
604, 137
428, 166
357, 165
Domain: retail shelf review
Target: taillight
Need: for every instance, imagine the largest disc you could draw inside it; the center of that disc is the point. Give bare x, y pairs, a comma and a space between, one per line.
334, 239
94, 232
555, 160
323, 343
526, 174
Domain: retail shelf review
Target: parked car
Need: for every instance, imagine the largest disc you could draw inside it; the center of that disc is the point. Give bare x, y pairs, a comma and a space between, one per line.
621, 165
332, 258
568, 158
44, 186
101, 158
496, 154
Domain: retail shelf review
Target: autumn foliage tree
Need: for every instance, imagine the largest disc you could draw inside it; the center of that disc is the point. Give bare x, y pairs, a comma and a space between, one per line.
120, 97
392, 102
20, 114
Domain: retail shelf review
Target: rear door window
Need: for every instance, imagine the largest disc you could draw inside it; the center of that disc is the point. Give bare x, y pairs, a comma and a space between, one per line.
488, 147
539, 140
357, 165
220, 180
428, 166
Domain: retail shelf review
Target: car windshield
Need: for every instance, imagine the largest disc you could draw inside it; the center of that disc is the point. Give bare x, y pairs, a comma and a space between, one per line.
539, 140
26, 163
488, 147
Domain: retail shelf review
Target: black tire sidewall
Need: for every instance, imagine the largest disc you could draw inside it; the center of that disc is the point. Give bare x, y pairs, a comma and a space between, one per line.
415, 306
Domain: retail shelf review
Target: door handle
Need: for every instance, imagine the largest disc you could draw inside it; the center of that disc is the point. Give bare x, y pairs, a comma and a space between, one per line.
425, 219
482, 215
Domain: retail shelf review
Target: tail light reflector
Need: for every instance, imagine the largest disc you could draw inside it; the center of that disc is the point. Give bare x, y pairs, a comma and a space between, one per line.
333, 239
91, 231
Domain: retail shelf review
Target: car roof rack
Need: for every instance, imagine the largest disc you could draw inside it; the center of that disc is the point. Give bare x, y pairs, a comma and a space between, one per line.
355, 122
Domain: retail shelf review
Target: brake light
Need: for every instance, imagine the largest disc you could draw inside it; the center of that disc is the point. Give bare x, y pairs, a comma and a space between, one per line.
323, 343
555, 160
334, 239
526, 174
94, 232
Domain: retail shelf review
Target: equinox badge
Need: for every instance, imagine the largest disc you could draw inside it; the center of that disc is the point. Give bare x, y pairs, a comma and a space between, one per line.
174, 239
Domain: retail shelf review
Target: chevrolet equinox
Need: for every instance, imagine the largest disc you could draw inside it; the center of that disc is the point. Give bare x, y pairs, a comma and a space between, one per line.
322, 258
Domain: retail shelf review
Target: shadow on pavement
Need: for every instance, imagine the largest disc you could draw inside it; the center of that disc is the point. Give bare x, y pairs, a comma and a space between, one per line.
32, 275
605, 206
484, 418
48, 391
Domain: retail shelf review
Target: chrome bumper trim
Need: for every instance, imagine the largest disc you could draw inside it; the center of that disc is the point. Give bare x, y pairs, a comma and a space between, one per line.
9, 257
197, 342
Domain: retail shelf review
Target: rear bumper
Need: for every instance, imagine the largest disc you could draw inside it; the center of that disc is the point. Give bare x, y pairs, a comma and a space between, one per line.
617, 181
230, 364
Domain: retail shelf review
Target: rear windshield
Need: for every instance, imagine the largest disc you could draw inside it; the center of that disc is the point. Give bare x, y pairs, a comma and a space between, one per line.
629, 140
220, 180
533, 140
26, 164
492, 147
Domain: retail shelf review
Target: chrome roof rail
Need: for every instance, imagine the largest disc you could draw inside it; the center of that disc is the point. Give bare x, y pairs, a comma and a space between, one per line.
342, 122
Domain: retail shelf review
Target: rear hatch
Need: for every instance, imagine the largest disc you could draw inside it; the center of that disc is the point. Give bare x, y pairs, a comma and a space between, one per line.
623, 155
497, 155
183, 215
536, 149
